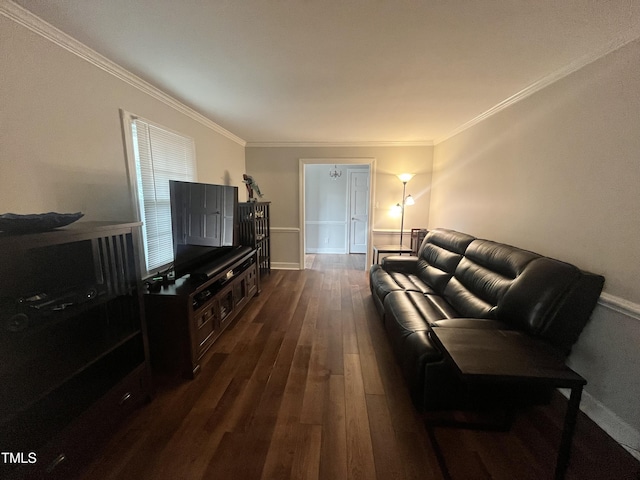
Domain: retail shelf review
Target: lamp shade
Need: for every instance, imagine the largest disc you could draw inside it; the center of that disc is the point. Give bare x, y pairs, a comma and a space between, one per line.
409, 200
405, 177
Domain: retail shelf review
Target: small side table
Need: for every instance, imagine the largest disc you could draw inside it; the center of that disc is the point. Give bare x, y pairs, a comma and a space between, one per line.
513, 358
399, 249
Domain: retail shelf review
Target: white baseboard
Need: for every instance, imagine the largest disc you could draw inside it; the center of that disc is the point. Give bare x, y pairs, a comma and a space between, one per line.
614, 426
320, 250
626, 435
285, 266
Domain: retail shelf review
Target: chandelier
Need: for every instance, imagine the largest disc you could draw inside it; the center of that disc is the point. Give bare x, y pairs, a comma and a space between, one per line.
335, 173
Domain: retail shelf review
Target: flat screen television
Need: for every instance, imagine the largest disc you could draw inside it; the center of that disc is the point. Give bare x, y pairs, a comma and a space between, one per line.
204, 223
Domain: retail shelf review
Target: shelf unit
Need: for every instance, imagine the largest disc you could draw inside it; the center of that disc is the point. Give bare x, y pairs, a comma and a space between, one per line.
73, 345
255, 231
185, 318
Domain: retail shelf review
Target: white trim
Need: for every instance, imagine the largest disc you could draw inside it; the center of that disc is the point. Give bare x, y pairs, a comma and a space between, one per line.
335, 251
285, 230
627, 436
620, 305
415, 143
285, 266
326, 222
27, 19
623, 433
622, 40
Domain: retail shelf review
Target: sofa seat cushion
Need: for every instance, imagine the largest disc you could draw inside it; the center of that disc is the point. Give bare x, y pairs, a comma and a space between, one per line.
478, 323
415, 311
382, 282
410, 283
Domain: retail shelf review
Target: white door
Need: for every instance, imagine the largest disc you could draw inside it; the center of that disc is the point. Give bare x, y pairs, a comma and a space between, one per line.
358, 211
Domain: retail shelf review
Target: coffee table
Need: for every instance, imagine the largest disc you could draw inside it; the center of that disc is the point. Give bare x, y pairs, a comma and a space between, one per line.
482, 356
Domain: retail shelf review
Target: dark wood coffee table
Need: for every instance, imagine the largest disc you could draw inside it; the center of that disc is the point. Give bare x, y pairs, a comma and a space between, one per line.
513, 358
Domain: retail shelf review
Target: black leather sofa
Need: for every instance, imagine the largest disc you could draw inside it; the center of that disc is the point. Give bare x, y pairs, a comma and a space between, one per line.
458, 281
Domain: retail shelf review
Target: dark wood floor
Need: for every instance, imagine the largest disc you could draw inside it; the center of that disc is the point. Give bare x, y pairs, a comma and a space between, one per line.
304, 385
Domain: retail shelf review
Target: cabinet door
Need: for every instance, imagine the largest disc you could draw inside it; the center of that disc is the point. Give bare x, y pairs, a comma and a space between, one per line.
227, 306
252, 280
240, 290
205, 325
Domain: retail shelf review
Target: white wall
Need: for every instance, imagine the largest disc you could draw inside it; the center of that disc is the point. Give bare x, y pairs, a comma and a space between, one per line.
276, 169
61, 137
559, 173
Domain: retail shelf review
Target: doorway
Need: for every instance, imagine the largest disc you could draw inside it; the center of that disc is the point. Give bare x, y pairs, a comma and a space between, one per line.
335, 206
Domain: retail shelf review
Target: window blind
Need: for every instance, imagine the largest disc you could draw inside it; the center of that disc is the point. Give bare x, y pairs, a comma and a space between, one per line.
160, 156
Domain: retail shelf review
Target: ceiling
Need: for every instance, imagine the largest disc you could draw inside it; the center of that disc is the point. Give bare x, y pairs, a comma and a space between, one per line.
346, 71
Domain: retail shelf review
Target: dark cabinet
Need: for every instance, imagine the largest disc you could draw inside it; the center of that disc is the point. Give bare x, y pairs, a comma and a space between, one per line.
73, 347
186, 317
255, 231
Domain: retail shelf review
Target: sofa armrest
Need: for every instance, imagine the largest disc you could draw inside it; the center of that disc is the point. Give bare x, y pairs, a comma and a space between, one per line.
400, 263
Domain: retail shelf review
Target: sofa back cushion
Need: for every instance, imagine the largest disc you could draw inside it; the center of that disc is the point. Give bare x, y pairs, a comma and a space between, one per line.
552, 300
439, 255
483, 277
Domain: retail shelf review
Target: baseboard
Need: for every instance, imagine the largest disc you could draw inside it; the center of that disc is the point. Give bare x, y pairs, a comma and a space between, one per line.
627, 436
285, 266
334, 251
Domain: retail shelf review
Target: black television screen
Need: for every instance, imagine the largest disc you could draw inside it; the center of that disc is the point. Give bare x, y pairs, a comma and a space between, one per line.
203, 221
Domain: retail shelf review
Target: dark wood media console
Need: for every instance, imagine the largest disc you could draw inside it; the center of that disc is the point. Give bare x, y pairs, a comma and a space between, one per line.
185, 318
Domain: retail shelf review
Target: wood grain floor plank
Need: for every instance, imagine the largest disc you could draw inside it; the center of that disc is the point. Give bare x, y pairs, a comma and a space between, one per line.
418, 456
306, 463
371, 374
307, 333
282, 448
333, 451
360, 463
317, 385
386, 451
349, 334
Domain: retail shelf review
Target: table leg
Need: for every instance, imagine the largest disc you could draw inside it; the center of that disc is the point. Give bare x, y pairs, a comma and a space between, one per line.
571, 415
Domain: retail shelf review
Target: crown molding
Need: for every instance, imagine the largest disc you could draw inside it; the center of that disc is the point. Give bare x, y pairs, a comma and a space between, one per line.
34, 23
421, 143
547, 80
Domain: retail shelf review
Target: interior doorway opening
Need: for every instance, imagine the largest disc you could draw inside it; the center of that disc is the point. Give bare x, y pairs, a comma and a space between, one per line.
335, 210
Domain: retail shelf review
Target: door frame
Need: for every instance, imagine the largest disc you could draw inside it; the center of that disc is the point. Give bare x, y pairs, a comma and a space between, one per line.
302, 163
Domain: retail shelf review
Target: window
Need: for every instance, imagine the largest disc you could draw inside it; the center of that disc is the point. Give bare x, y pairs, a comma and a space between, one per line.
157, 155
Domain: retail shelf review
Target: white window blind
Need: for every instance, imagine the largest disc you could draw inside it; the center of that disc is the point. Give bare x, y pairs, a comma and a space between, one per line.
160, 156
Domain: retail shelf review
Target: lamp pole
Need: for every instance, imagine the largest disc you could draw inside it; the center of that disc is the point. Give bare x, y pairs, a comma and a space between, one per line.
404, 188
404, 178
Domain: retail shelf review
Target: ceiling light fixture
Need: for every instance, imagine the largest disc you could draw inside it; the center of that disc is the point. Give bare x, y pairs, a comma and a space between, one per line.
335, 173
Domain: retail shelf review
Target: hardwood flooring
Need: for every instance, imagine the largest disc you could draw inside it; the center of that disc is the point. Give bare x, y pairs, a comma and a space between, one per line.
304, 386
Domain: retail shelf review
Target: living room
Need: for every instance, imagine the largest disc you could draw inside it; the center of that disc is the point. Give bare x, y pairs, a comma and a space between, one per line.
551, 168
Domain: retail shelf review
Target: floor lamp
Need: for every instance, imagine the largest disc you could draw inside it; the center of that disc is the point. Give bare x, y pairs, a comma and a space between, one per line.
408, 200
